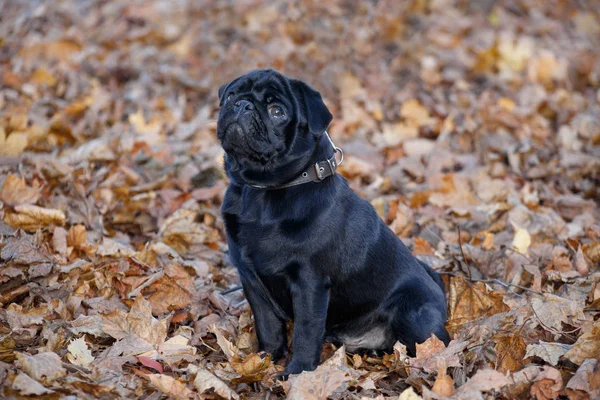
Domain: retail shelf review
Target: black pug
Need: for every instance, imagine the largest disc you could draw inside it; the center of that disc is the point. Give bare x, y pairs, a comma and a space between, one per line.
307, 248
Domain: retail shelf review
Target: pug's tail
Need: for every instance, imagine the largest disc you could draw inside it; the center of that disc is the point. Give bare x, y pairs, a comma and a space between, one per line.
434, 275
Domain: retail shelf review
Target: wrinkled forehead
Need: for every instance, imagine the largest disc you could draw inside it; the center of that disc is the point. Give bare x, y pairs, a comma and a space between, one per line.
262, 84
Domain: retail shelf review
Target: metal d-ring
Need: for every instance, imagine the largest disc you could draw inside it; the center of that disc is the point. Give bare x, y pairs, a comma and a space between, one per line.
336, 149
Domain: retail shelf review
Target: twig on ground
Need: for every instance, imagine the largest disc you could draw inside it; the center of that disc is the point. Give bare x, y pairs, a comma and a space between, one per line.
231, 290
509, 286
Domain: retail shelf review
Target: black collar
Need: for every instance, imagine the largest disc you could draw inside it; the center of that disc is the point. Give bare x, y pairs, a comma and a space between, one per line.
313, 173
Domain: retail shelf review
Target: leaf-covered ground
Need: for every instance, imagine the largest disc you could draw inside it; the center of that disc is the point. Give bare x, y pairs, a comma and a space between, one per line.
472, 127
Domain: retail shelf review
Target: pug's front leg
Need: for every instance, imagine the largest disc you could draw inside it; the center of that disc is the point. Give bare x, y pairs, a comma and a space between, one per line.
310, 298
270, 328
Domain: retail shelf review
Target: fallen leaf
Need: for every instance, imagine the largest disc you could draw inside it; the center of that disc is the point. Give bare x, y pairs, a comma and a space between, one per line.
409, 394
547, 384
521, 241
585, 384
183, 232
27, 386
552, 311
549, 352
586, 346
468, 301
484, 380
14, 144
422, 246
150, 363
510, 351
316, 385
111, 248
139, 322
429, 347
433, 349
581, 264
79, 353
444, 384
15, 192
560, 259
30, 217
170, 386
43, 367
205, 380
173, 291
228, 348
252, 368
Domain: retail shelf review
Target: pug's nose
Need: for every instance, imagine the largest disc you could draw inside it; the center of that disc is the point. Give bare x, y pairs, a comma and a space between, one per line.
241, 106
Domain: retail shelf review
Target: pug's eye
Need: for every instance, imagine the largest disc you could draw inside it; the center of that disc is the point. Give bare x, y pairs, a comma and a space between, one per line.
229, 96
276, 112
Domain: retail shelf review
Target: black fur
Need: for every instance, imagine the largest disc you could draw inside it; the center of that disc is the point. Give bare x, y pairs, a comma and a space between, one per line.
316, 253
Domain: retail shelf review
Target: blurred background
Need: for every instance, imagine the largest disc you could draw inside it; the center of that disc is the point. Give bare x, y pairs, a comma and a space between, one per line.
473, 127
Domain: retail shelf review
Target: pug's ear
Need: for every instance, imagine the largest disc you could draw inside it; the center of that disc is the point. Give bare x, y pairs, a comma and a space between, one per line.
314, 110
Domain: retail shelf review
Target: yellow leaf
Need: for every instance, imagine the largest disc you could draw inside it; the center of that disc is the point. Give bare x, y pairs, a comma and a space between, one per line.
13, 145
31, 218
15, 191
522, 240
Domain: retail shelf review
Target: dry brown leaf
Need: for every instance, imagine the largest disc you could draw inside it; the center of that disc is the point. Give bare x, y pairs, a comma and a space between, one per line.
252, 368
510, 351
592, 251
111, 248
586, 346
77, 237
170, 386
115, 324
433, 349
143, 324
429, 347
139, 322
14, 144
468, 301
176, 348
585, 384
23, 250
183, 232
552, 311
484, 380
43, 367
444, 384
318, 384
581, 264
228, 348
205, 380
547, 385
549, 352
15, 191
560, 259
173, 291
422, 246
30, 217
27, 386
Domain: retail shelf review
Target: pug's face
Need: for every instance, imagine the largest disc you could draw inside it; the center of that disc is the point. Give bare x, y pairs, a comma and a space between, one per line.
267, 122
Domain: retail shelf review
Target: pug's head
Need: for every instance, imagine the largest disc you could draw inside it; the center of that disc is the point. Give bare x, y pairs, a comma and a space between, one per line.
269, 126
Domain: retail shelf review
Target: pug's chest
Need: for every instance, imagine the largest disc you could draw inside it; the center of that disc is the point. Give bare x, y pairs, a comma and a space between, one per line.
262, 246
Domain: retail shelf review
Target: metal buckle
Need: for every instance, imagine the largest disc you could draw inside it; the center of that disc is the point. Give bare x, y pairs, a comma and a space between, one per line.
320, 171
336, 149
